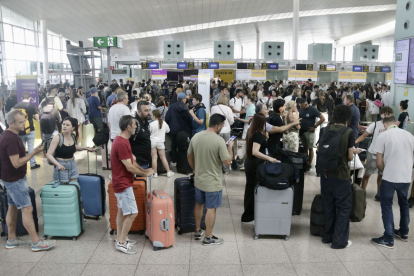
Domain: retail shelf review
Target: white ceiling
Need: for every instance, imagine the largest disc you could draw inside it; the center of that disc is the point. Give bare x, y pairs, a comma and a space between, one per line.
82, 20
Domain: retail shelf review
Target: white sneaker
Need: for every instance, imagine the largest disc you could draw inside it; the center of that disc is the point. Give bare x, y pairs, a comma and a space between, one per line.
44, 159
125, 248
110, 176
174, 164
155, 175
349, 244
170, 173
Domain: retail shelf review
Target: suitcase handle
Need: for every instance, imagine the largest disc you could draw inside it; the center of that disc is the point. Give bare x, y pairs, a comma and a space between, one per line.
156, 193
60, 182
165, 225
96, 161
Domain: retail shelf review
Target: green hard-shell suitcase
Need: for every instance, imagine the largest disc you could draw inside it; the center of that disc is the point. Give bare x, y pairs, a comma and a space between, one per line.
62, 209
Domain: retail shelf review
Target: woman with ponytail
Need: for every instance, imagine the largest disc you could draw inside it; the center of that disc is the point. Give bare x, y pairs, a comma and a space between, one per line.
158, 130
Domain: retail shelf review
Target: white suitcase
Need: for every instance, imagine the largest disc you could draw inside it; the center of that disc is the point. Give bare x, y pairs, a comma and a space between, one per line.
272, 212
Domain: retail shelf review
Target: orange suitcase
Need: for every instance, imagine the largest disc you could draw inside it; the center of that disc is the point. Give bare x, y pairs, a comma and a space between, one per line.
139, 191
160, 219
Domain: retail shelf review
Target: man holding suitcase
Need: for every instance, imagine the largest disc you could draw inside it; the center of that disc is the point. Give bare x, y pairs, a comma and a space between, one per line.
124, 166
206, 155
13, 160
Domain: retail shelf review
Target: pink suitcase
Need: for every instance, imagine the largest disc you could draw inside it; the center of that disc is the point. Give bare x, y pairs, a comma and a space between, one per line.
160, 219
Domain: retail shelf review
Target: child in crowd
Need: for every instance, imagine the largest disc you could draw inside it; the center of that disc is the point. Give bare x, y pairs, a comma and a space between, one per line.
158, 130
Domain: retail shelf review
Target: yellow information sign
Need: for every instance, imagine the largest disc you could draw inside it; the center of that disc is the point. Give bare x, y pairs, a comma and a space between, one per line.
204, 65
309, 67
405, 91
190, 65
225, 75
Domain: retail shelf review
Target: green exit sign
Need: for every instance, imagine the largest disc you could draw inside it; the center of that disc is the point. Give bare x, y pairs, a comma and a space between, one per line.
107, 41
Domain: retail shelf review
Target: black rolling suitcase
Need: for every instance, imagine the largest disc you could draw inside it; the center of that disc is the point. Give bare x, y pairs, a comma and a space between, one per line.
20, 230
184, 201
297, 159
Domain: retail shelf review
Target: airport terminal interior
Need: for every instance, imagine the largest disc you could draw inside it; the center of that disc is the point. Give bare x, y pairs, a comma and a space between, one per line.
327, 62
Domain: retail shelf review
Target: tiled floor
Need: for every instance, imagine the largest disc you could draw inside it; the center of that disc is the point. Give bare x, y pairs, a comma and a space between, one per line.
94, 254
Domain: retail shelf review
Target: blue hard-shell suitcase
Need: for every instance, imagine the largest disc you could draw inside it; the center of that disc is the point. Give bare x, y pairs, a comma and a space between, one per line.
93, 192
184, 201
62, 209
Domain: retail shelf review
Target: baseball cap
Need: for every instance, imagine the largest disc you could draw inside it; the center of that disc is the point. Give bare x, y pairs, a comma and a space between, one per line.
181, 96
80, 87
94, 90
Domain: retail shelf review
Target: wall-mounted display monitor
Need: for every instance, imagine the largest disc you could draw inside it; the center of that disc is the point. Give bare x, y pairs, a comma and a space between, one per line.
300, 66
410, 77
182, 65
242, 65
210, 65
270, 66
360, 68
402, 54
150, 65
385, 69
327, 67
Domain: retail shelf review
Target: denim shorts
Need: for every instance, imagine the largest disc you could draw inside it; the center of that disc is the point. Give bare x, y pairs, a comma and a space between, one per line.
69, 165
212, 200
126, 202
18, 193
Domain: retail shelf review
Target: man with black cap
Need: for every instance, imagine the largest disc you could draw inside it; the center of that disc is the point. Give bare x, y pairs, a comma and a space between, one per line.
308, 114
179, 119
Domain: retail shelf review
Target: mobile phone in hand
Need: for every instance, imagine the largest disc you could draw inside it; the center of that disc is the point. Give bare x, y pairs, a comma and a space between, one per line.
231, 139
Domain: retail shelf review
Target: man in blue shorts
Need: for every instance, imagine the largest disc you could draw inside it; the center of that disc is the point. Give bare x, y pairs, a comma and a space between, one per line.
206, 155
13, 163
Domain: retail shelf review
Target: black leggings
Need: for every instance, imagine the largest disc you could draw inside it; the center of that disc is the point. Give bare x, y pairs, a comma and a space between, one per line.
250, 168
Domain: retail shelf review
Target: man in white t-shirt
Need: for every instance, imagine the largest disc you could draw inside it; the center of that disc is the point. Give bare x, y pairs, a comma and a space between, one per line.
237, 103
116, 112
374, 129
394, 149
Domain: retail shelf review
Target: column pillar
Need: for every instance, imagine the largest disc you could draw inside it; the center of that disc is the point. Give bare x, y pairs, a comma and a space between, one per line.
43, 33
257, 43
295, 28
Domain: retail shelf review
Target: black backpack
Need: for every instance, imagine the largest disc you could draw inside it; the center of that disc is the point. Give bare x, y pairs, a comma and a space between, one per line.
269, 177
102, 136
329, 154
47, 122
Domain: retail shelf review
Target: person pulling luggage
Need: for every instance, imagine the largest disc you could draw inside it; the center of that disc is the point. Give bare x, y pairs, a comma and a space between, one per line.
124, 166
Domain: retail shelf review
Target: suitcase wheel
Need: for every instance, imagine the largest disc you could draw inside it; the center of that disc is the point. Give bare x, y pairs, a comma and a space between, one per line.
3, 234
286, 238
74, 238
255, 237
141, 232
111, 232
155, 248
180, 232
146, 237
97, 218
